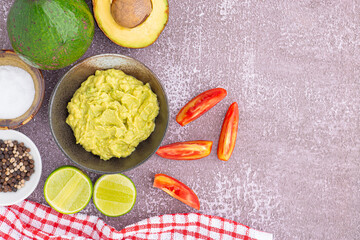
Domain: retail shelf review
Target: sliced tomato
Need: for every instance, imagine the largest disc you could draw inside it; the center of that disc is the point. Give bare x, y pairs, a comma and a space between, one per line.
190, 150
199, 105
176, 189
228, 133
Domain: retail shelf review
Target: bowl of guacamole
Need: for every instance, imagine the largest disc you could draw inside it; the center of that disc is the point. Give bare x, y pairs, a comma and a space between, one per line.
109, 113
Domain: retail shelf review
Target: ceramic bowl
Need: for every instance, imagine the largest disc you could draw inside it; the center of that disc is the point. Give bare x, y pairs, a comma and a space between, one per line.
10, 198
64, 91
9, 57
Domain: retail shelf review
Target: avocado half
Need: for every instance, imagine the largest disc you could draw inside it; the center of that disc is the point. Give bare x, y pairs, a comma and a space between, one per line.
139, 36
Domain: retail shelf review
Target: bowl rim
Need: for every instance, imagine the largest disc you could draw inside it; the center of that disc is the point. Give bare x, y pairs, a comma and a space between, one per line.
41, 98
51, 102
38, 161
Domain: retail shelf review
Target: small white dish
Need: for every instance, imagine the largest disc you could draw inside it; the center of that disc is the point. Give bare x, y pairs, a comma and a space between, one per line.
10, 198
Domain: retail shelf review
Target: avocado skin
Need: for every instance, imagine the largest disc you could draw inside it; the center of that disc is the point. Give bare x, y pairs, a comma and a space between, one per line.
50, 34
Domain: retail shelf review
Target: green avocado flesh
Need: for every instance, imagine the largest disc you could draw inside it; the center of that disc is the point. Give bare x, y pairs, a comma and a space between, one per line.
50, 34
111, 113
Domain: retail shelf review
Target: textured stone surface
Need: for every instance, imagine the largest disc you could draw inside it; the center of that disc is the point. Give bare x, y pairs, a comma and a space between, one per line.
293, 67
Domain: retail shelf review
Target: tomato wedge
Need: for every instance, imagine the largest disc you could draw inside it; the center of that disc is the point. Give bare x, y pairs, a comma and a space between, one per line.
176, 189
190, 150
199, 105
228, 133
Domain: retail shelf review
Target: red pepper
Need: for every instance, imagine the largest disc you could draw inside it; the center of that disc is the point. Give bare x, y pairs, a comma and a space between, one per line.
228, 133
176, 189
199, 105
190, 150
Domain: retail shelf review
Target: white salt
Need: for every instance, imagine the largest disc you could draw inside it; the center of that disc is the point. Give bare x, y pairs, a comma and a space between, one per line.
17, 92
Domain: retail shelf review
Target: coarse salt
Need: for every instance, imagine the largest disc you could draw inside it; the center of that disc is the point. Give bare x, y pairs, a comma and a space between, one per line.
17, 92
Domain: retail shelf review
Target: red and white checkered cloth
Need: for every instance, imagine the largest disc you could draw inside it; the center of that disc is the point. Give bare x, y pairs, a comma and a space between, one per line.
30, 220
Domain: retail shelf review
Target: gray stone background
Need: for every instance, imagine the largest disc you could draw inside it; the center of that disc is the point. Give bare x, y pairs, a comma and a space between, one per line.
293, 67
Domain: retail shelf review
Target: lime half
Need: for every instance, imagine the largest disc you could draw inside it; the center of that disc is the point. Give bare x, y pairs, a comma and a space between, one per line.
68, 190
114, 195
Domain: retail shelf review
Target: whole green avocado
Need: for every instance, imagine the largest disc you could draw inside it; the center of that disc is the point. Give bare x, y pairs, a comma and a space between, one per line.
50, 34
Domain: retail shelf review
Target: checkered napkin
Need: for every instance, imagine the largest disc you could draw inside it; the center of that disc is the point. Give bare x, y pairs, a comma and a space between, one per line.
30, 220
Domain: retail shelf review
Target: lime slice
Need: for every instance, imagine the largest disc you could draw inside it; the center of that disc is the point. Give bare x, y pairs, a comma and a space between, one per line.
68, 190
114, 195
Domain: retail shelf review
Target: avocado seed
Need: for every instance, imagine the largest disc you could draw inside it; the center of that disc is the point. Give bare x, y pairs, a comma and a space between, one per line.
130, 13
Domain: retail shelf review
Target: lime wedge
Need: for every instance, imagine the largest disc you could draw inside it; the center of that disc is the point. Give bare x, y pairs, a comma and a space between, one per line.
114, 195
68, 190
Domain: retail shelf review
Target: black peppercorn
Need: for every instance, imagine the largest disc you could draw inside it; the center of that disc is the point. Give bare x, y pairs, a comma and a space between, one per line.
16, 165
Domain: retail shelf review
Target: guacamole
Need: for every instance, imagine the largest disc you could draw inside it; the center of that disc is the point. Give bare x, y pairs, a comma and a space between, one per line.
111, 113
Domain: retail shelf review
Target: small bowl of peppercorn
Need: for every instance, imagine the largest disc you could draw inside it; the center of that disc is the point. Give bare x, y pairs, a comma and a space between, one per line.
20, 167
